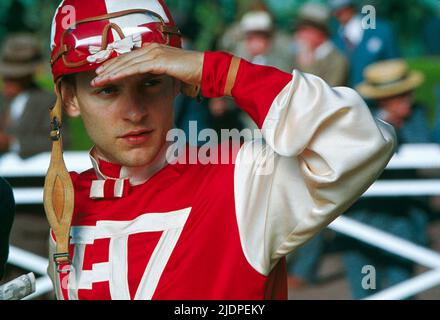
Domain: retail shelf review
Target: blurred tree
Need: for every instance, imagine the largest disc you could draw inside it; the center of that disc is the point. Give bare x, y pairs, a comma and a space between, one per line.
15, 20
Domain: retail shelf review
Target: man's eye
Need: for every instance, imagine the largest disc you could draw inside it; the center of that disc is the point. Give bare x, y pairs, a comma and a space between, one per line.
151, 83
107, 90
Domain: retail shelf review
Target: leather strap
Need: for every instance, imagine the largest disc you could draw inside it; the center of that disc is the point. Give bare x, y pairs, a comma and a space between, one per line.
232, 75
58, 190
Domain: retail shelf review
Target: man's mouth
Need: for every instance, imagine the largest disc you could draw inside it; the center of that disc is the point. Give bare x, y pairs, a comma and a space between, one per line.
137, 137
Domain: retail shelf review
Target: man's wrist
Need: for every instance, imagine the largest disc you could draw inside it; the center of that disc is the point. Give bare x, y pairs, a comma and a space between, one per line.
216, 66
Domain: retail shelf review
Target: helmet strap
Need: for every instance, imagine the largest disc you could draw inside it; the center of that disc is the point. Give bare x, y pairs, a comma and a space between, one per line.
58, 189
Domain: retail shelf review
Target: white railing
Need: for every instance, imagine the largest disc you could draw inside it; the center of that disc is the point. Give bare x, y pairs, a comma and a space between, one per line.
409, 157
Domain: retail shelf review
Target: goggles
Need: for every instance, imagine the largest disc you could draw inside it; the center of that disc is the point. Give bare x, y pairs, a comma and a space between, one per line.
96, 39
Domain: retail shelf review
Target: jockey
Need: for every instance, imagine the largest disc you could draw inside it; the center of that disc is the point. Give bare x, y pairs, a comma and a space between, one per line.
143, 223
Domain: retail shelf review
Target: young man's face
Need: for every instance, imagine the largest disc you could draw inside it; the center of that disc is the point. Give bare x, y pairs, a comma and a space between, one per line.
257, 43
127, 120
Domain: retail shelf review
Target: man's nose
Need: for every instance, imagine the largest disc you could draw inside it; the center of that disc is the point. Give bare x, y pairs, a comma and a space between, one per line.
134, 107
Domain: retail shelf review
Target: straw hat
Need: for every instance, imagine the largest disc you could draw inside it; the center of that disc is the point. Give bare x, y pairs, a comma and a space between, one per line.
20, 56
389, 78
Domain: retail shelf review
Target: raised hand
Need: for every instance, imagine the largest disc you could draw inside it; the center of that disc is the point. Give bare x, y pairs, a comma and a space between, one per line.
153, 58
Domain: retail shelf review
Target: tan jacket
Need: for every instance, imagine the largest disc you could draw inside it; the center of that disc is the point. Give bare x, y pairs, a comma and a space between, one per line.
333, 68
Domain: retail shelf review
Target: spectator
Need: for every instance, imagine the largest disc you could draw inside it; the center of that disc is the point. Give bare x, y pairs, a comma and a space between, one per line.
7, 206
262, 44
362, 44
316, 52
391, 85
24, 107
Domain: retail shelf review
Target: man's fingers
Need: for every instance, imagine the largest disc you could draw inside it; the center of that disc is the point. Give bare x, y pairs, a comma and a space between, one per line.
129, 63
126, 71
140, 62
118, 61
156, 59
110, 65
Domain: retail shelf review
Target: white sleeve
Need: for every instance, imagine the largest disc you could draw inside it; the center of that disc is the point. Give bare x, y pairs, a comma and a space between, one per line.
322, 149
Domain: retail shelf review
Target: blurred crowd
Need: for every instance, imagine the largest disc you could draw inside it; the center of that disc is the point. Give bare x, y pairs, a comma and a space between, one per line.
331, 39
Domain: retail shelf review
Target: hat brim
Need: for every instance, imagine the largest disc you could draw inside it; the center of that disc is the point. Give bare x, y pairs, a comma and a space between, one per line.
9, 70
369, 91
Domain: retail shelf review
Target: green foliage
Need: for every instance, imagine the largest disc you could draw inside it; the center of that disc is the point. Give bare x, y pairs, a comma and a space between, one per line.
80, 139
426, 94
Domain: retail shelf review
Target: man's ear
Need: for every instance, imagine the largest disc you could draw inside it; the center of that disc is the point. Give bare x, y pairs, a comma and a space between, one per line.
70, 101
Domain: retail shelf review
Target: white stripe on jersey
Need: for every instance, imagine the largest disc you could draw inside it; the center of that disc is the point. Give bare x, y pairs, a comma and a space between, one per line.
115, 270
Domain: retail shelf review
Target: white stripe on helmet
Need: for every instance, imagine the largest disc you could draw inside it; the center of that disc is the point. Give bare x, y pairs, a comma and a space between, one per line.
54, 26
128, 23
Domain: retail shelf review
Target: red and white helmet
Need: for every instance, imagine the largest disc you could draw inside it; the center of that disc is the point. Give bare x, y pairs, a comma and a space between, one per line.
86, 33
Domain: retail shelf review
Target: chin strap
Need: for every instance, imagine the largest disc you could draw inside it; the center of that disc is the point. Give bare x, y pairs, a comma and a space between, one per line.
58, 191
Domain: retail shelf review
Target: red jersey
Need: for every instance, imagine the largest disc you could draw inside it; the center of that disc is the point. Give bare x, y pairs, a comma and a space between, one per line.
222, 231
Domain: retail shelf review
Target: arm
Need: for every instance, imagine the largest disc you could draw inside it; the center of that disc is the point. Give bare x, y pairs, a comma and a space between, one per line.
324, 145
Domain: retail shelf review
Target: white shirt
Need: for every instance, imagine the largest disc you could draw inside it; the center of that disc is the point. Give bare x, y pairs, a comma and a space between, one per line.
323, 50
18, 105
353, 30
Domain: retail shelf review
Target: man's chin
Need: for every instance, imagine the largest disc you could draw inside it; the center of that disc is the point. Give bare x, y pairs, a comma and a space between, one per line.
137, 158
